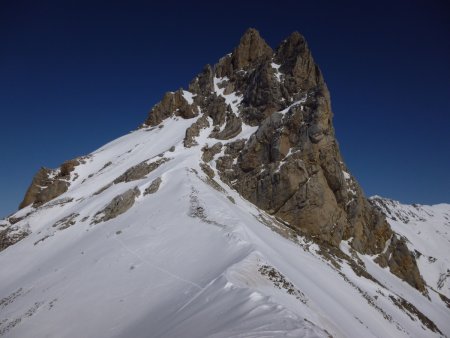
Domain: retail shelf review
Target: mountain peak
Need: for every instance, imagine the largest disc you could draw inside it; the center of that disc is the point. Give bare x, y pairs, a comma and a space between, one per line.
295, 58
233, 191
251, 33
252, 47
296, 36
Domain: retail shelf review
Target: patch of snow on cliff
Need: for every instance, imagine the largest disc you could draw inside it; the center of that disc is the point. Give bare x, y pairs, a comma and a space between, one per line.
232, 99
278, 74
188, 96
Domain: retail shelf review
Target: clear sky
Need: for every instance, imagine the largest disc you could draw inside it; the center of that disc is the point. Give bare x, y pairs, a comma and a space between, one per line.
75, 75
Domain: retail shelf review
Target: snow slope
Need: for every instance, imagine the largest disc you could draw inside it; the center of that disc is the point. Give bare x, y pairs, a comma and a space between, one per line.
194, 259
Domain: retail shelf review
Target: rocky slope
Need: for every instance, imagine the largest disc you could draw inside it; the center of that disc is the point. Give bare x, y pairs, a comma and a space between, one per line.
232, 191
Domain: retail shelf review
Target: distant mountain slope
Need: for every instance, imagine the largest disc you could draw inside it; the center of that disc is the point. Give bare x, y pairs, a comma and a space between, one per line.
427, 230
229, 213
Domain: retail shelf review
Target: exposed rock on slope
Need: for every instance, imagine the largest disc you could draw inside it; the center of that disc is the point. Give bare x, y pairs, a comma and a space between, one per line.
153, 187
44, 188
48, 184
117, 206
10, 235
402, 263
171, 103
140, 171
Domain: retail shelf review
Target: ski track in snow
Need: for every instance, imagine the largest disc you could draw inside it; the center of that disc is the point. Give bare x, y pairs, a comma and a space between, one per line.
152, 264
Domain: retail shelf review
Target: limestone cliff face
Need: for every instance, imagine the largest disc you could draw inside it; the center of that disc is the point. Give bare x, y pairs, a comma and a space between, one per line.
291, 166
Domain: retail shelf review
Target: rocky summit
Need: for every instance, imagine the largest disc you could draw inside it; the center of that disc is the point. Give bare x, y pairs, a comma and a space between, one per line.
229, 212
291, 166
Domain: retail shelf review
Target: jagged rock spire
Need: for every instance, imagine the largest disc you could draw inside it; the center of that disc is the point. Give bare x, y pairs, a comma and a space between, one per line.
290, 49
252, 48
249, 53
296, 60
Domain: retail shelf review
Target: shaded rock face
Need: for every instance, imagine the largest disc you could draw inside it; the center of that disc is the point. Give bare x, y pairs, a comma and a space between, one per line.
402, 263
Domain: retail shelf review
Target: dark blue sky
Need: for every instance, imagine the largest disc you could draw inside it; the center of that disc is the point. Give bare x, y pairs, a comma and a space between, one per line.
75, 75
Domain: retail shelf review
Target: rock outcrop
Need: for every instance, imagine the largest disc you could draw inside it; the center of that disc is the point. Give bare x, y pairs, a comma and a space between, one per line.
194, 130
48, 184
140, 170
172, 103
119, 204
252, 50
10, 236
153, 187
402, 263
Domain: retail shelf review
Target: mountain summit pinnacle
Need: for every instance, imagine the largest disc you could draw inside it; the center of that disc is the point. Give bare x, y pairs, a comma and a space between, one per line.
252, 48
296, 59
